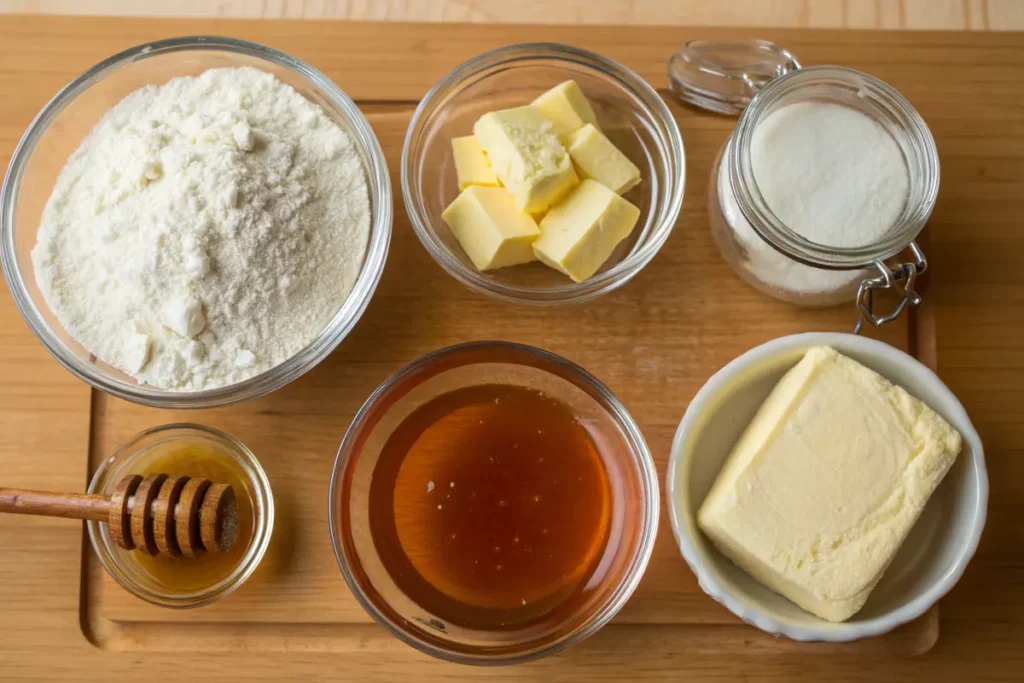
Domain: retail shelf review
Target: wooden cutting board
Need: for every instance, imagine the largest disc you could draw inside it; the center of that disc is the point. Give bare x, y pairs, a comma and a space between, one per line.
654, 343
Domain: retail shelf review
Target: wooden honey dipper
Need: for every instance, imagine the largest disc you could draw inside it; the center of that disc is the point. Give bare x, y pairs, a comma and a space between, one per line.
155, 514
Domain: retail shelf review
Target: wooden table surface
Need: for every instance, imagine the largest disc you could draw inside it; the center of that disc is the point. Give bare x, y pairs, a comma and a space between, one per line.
973, 15
967, 86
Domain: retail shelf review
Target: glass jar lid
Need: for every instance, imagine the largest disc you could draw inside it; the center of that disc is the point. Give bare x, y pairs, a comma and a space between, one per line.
724, 75
752, 78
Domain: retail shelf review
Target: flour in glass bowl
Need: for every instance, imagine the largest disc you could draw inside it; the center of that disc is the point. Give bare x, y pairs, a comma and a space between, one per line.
205, 231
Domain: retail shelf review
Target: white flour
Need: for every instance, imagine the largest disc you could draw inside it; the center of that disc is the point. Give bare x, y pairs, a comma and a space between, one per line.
205, 231
831, 174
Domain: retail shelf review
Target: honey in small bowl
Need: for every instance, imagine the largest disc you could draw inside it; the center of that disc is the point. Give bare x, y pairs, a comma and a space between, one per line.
190, 451
204, 460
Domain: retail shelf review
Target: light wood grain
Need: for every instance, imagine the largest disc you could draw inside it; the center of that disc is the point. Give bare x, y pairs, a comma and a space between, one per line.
999, 15
54, 504
975, 299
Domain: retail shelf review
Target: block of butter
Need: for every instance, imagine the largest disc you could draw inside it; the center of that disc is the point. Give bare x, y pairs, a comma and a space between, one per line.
527, 156
596, 157
580, 233
492, 231
471, 164
826, 482
566, 107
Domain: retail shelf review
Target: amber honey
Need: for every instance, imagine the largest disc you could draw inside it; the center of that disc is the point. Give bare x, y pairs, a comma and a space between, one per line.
204, 459
490, 506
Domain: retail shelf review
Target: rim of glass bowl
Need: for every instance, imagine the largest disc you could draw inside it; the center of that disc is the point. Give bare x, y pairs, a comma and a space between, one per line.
103, 544
649, 521
668, 203
326, 341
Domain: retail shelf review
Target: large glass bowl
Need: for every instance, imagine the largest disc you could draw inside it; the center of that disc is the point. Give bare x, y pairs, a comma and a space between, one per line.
633, 506
60, 127
629, 112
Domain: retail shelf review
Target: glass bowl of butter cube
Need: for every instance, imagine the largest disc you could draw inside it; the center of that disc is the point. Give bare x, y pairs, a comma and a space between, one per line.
826, 487
542, 173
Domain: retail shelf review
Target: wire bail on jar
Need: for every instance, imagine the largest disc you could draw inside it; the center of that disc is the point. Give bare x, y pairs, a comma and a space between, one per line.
901, 279
725, 76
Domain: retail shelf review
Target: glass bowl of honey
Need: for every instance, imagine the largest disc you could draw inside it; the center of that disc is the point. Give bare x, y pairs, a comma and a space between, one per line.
187, 450
493, 503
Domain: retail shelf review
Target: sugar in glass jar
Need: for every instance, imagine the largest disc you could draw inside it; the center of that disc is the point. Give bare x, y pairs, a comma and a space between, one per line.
829, 176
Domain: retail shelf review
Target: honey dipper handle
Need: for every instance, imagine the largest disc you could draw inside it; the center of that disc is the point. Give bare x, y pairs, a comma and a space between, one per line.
50, 504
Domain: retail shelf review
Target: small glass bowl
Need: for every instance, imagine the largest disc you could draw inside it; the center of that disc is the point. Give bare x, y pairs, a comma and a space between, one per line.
59, 129
139, 454
630, 113
630, 469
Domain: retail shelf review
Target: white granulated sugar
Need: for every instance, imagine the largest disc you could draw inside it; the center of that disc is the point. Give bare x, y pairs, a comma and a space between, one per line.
205, 231
831, 174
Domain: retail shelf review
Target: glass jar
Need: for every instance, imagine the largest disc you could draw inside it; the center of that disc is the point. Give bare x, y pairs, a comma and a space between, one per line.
756, 79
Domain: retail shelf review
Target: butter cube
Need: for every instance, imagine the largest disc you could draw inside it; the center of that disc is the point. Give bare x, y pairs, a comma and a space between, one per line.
527, 156
471, 164
580, 233
596, 157
566, 107
492, 231
826, 482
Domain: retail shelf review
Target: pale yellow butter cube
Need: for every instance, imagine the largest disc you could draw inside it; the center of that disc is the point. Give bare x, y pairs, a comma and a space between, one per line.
492, 231
579, 234
471, 164
527, 156
597, 158
566, 107
826, 482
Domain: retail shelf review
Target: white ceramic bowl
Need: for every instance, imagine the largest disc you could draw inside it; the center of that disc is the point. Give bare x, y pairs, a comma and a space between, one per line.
935, 553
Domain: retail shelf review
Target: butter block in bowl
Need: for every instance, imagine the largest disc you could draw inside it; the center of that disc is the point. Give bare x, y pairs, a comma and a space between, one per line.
826, 487
826, 482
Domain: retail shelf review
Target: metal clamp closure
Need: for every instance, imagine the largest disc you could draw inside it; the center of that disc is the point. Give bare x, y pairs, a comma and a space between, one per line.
900, 278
